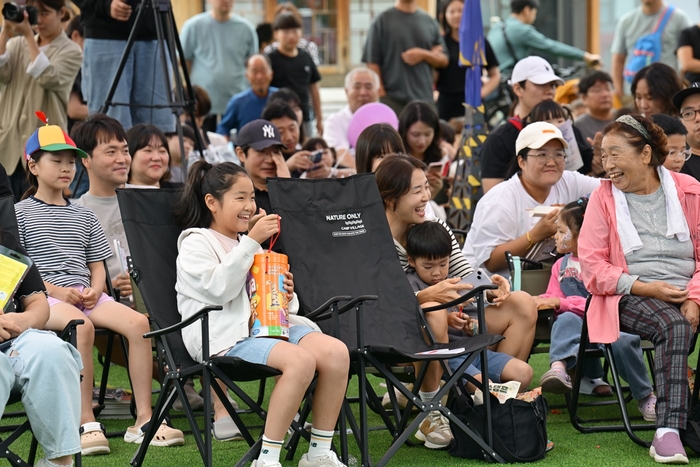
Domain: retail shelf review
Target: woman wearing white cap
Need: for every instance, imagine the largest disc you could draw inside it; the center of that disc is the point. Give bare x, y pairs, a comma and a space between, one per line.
502, 221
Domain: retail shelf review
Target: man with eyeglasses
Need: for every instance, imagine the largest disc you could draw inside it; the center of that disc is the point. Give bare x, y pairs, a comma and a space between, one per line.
675, 135
688, 101
596, 92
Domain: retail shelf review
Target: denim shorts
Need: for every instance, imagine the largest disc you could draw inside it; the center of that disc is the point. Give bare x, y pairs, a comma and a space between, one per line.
257, 349
497, 362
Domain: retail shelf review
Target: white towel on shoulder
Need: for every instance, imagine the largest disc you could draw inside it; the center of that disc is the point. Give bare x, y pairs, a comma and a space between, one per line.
675, 217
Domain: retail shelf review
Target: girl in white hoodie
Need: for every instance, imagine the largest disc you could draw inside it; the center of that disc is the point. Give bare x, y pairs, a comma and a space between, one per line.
215, 256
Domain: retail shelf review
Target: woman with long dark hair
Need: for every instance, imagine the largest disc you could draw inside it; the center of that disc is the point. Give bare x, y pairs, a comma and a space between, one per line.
419, 127
653, 88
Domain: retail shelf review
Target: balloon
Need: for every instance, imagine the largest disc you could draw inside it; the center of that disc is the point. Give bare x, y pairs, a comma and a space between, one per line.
367, 115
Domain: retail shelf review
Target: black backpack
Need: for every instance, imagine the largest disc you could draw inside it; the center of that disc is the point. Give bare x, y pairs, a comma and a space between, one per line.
519, 428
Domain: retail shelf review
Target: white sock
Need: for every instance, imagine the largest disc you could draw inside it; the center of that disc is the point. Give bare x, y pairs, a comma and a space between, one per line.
662, 431
320, 442
427, 396
270, 450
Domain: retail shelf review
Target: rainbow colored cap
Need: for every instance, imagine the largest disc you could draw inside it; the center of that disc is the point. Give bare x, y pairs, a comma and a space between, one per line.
50, 138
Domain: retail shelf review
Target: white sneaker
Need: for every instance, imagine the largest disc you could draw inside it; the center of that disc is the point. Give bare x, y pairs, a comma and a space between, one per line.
259, 463
435, 431
330, 459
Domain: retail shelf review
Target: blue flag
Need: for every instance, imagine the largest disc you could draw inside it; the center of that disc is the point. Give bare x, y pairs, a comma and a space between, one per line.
471, 50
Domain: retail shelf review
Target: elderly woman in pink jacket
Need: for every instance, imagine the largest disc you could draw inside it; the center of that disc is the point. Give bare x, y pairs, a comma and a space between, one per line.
639, 255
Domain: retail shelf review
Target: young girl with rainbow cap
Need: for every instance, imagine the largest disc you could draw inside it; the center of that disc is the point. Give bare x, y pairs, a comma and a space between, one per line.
67, 244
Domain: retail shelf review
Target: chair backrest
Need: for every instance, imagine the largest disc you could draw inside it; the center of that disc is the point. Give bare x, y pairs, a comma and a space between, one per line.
8, 221
152, 234
338, 241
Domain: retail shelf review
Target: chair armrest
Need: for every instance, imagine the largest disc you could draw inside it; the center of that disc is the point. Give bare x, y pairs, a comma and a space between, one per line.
345, 308
361, 298
72, 324
318, 311
183, 324
462, 299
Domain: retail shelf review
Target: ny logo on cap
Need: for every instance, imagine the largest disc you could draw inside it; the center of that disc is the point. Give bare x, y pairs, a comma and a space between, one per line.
268, 131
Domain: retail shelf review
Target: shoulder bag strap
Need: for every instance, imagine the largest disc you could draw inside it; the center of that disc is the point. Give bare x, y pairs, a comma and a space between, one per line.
508, 44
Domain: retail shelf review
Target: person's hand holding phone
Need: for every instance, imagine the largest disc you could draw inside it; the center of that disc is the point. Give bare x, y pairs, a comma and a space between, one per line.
300, 161
444, 291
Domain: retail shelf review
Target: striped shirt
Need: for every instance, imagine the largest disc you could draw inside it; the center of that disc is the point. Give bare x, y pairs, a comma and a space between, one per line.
459, 266
61, 240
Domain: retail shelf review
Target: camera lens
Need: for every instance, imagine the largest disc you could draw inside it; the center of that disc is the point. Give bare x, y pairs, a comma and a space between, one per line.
12, 12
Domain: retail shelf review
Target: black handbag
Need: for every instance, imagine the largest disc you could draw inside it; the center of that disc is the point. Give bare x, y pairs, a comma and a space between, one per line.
519, 428
544, 251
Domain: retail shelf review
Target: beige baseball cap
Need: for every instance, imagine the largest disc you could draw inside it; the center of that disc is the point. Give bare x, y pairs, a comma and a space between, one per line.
536, 135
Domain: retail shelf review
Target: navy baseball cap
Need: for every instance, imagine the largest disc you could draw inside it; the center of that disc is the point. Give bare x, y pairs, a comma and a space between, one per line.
259, 135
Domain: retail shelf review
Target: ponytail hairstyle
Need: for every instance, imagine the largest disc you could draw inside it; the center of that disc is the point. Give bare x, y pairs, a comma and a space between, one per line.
32, 181
572, 215
204, 179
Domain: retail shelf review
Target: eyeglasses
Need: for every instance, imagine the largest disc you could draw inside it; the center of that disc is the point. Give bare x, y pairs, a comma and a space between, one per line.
685, 155
600, 90
542, 157
689, 114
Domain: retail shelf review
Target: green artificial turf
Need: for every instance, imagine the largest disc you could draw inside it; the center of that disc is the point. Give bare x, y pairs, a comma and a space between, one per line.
571, 447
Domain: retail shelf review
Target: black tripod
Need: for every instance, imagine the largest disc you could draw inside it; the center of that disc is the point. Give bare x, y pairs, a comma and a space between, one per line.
180, 99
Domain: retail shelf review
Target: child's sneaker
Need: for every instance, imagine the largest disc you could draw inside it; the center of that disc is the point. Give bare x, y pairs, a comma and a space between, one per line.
259, 463
330, 459
435, 431
668, 449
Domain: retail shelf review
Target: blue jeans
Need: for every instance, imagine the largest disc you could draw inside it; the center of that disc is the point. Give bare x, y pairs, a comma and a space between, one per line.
46, 371
142, 82
627, 351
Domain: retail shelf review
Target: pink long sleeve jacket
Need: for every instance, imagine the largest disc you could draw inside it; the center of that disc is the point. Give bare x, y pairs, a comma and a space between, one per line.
602, 259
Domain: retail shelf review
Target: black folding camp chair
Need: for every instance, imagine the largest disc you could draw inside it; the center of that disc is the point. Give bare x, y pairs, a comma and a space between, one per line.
593, 425
338, 242
152, 234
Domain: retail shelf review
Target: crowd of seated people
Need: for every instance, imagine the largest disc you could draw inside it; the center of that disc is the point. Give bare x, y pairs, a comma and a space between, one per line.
623, 190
